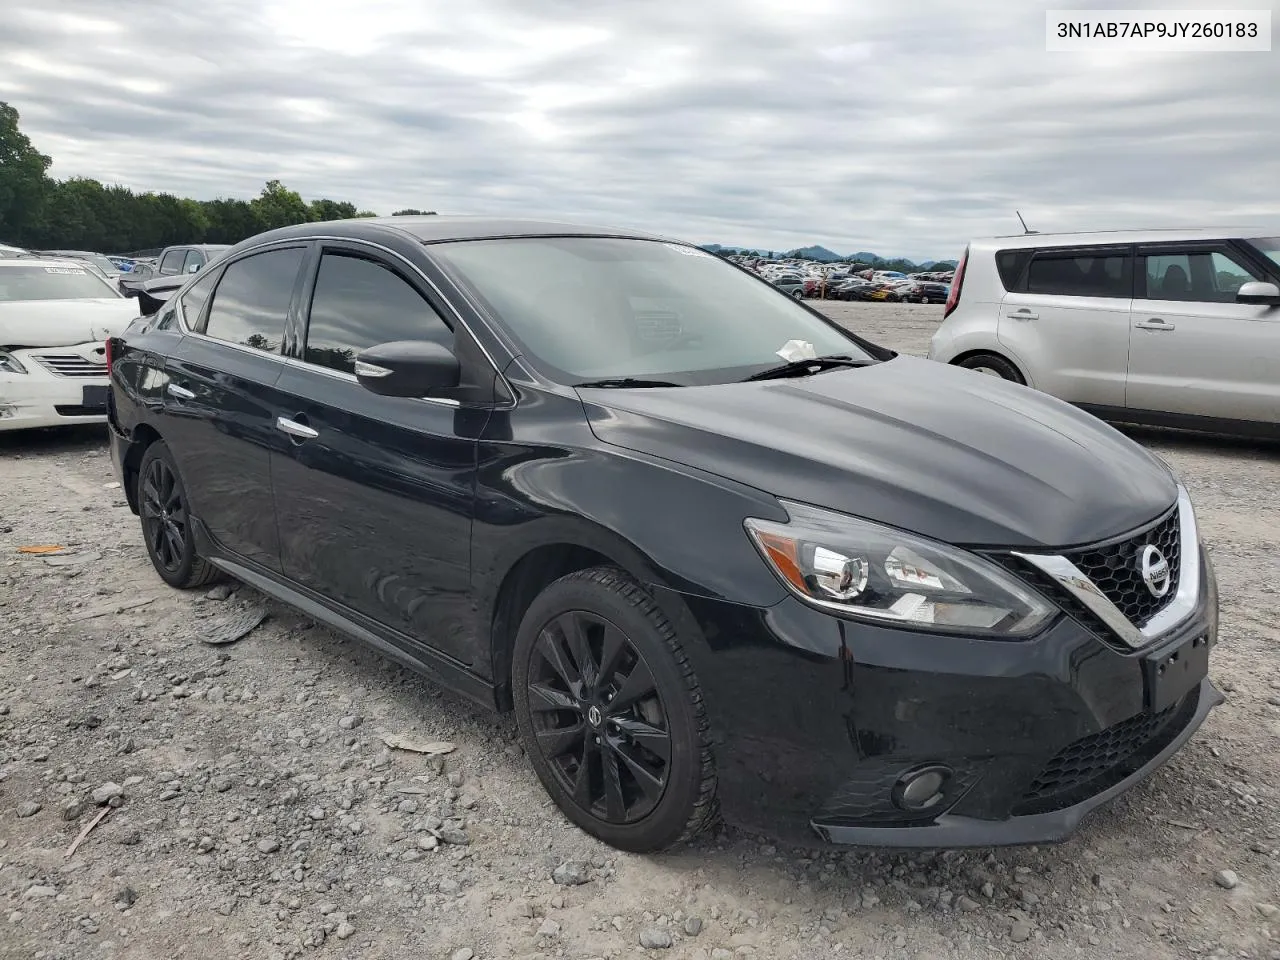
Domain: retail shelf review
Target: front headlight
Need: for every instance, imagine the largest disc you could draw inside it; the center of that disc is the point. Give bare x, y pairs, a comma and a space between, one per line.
9, 363
880, 574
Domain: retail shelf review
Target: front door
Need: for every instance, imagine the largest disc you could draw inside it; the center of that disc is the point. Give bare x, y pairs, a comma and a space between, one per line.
220, 402
1193, 350
1066, 319
375, 494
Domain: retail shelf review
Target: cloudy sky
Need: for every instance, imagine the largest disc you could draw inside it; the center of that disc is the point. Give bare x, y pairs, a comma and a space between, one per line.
903, 129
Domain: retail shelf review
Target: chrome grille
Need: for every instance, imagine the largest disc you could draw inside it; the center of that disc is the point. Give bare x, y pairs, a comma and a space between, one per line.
1116, 569
70, 365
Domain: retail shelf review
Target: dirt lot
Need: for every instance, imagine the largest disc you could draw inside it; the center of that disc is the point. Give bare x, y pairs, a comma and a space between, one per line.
257, 812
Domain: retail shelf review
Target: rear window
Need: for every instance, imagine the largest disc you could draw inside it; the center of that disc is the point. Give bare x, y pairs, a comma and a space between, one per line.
40, 282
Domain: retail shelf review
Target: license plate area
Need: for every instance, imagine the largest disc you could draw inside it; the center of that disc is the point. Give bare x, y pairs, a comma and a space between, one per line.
1174, 672
94, 397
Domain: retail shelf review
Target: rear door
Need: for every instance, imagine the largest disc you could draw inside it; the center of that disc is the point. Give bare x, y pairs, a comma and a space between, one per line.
1193, 349
1066, 317
375, 494
221, 406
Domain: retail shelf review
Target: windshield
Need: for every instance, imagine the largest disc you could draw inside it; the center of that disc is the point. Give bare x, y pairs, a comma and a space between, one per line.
1270, 247
595, 308
39, 282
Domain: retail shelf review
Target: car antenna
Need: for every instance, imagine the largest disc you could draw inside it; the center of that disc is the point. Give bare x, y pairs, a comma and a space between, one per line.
1024, 224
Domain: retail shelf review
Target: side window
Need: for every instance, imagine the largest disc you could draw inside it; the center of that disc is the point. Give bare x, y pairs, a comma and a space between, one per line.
193, 300
193, 262
1080, 275
171, 263
1200, 277
251, 301
1012, 264
359, 303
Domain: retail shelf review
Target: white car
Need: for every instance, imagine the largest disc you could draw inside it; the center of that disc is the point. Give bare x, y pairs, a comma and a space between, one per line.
1176, 328
54, 318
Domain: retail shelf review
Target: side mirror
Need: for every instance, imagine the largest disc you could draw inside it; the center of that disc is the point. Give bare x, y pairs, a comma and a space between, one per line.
1265, 294
193, 268
407, 368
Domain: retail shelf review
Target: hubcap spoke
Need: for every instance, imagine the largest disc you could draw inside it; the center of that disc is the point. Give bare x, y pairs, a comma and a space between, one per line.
543, 698
175, 544
582, 783
615, 804
552, 650
575, 635
639, 684
645, 735
614, 644
559, 741
650, 783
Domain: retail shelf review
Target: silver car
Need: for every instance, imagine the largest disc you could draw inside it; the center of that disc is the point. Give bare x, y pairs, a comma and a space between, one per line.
1168, 327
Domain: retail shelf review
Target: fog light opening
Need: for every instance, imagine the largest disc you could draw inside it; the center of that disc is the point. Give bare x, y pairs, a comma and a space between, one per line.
921, 788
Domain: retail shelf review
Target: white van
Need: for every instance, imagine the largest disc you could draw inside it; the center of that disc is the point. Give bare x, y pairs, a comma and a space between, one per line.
1168, 327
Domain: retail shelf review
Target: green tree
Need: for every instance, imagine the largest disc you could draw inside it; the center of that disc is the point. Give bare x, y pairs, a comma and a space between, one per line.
411, 212
278, 206
23, 180
332, 210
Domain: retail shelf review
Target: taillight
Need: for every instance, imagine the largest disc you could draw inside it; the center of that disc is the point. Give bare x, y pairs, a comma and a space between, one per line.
953, 295
108, 347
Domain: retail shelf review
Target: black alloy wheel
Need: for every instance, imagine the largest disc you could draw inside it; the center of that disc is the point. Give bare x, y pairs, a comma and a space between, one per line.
598, 717
166, 521
610, 713
164, 516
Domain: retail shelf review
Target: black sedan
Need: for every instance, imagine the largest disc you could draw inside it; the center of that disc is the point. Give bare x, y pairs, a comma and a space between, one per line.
714, 551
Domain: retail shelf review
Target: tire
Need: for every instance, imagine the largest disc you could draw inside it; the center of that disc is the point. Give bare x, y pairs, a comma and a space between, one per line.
166, 522
577, 731
798, 294
924, 300
992, 365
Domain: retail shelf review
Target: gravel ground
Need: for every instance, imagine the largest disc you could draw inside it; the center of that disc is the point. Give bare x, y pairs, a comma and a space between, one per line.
251, 808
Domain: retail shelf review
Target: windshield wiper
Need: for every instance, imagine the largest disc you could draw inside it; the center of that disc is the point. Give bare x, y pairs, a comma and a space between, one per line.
627, 382
800, 368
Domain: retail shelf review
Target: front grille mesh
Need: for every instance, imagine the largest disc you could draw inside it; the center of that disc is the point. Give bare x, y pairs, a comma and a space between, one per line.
70, 365
1097, 762
1116, 570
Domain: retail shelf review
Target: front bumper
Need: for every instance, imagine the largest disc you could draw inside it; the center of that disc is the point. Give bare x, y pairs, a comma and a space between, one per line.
815, 719
32, 400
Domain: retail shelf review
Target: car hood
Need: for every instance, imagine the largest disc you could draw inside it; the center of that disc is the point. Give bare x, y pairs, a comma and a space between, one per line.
941, 451
61, 323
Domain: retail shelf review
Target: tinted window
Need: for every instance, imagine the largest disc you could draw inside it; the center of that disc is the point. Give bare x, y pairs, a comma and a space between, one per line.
172, 262
1204, 277
194, 259
359, 303
1011, 264
252, 299
194, 299
1079, 275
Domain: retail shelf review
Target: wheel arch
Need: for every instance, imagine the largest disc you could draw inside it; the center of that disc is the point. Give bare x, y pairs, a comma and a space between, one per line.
142, 437
536, 564
1000, 355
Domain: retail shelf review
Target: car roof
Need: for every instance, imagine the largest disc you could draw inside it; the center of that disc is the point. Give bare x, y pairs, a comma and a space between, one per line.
7, 261
1107, 237
438, 229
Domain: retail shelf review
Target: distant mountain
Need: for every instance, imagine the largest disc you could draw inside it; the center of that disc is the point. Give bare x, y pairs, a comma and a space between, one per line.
823, 255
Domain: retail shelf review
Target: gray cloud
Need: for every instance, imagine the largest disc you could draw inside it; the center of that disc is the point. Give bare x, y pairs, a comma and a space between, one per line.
906, 129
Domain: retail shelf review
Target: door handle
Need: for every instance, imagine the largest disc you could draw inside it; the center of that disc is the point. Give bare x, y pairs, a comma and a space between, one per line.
295, 429
1023, 314
182, 393
1155, 323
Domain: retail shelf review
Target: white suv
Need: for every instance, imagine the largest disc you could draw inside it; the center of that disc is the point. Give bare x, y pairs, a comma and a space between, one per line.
1169, 327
